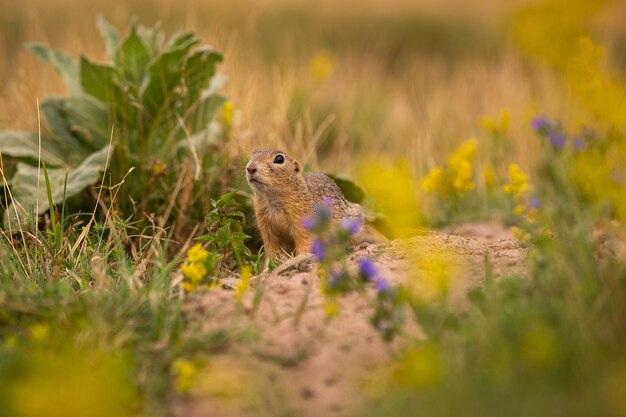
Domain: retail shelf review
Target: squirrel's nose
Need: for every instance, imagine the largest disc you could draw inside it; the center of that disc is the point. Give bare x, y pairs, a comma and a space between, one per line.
251, 169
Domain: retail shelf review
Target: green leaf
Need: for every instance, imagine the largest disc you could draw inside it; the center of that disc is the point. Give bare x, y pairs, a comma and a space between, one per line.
100, 81
89, 119
204, 112
199, 69
164, 74
62, 63
110, 34
59, 129
26, 193
152, 37
183, 40
132, 57
349, 188
26, 145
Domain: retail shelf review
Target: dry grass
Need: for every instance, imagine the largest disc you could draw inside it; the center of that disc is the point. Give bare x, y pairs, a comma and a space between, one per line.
410, 80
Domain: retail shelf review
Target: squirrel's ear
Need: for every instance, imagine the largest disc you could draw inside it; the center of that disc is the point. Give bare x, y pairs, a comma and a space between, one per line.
297, 166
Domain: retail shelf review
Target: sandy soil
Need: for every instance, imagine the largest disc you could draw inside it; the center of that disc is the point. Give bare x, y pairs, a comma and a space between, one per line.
288, 359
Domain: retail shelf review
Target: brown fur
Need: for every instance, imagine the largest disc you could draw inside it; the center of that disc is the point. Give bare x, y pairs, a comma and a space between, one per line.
283, 196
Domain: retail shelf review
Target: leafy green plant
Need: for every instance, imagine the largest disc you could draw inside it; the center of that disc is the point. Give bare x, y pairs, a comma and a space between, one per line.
151, 109
226, 237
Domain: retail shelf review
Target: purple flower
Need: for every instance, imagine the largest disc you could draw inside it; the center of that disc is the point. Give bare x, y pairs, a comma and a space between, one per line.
308, 223
579, 144
382, 285
367, 269
541, 124
318, 249
618, 176
322, 211
557, 139
337, 277
351, 225
534, 203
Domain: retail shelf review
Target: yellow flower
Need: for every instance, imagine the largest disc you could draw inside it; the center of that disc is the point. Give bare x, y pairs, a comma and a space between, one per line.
185, 372
520, 234
331, 308
392, 192
465, 152
433, 180
322, 65
499, 127
244, 283
489, 176
227, 114
463, 181
39, 332
519, 209
158, 167
194, 271
460, 166
505, 121
419, 367
518, 181
489, 124
197, 254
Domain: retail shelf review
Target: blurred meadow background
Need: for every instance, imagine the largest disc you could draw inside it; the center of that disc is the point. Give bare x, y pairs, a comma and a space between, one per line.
431, 113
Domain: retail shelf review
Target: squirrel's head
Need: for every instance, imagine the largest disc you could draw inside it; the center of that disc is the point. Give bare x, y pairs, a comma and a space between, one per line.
273, 172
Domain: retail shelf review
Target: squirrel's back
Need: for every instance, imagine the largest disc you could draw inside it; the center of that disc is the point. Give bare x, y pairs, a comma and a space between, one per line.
322, 186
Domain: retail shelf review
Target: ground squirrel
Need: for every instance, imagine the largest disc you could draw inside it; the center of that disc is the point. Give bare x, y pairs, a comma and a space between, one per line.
283, 197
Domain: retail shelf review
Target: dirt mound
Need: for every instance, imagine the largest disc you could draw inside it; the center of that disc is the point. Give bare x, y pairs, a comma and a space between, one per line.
288, 358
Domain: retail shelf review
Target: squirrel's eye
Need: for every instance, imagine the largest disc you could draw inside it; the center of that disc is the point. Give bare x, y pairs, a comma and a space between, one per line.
279, 159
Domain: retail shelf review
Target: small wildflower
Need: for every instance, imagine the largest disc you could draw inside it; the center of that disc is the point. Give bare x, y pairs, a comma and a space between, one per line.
330, 308
227, 114
322, 211
534, 203
550, 129
433, 180
338, 279
520, 234
489, 176
579, 144
318, 249
39, 332
489, 124
244, 283
194, 271
308, 223
185, 372
382, 286
499, 127
463, 181
322, 66
505, 120
157, 167
351, 225
518, 181
367, 269
542, 124
557, 139
197, 254
460, 166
